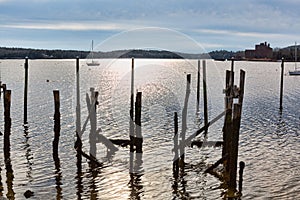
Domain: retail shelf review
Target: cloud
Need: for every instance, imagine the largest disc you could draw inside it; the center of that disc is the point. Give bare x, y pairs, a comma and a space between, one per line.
212, 23
242, 34
70, 26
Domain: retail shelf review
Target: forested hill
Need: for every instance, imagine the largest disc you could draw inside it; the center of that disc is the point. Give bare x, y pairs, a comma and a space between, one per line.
16, 53
20, 53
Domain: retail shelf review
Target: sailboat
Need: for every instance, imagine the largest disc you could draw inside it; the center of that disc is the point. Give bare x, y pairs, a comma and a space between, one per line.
93, 62
296, 71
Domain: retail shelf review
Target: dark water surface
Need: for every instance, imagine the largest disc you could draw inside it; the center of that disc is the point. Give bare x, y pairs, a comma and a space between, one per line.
269, 141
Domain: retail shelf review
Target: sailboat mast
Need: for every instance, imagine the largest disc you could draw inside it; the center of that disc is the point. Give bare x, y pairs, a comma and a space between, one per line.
92, 50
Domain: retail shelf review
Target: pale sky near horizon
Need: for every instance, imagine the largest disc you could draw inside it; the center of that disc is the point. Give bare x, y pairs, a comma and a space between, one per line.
214, 25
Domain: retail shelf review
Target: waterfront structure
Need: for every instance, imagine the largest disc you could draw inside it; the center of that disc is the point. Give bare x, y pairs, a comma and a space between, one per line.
262, 51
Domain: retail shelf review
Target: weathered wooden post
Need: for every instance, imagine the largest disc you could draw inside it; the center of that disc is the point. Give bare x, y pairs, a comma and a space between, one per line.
78, 143
281, 83
232, 74
205, 96
93, 122
228, 114
131, 121
198, 87
233, 150
138, 124
233, 134
25, 90
7, 125
228, 124
184, 120
176, 156
7, 104
229, 93
56, 123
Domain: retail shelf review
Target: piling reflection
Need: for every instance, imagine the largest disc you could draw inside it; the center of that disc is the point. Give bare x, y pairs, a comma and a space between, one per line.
179, 149
179, 183
28, 153
58, 177
79, 186
136, 172
281, 130
1, 185
94, 172
56, 160
136, 148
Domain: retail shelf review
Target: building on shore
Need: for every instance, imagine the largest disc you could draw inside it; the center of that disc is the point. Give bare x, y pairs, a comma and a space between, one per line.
262, 51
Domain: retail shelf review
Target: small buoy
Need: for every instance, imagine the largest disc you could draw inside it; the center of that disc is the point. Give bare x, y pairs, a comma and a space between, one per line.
28, 194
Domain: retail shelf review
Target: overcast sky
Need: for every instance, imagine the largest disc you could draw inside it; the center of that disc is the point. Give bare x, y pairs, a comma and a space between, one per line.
213, 24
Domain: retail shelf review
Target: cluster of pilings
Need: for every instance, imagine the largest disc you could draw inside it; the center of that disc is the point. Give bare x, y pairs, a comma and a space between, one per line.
230, 143
231, 128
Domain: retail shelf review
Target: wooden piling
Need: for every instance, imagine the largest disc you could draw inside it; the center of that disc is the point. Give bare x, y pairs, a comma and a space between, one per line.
242, 86
231, 128
6, 147
175, 138
233, 150
232, 74
184, 119
138, 124
205, 96
281, 84
93, 123
25, 90
198, 87
78, 114
241, 171
78, 143
56, 123
7, 104
131, 121
228, 109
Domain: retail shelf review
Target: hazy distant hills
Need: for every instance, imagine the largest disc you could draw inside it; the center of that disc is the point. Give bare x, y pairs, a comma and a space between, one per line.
21, 53
18, 53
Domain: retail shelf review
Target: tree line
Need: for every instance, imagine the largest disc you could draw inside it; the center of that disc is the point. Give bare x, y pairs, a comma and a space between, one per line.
20, 53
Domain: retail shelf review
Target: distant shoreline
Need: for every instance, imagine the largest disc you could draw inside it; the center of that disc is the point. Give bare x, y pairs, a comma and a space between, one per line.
220, 55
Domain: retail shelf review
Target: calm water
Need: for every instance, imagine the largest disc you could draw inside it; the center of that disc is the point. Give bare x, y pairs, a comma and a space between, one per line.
269, 141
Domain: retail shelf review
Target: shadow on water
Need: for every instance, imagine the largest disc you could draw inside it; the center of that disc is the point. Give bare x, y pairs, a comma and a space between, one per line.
281, 129
79, 185
28, 154
94, 171
56, 159
179, 184
136, 172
